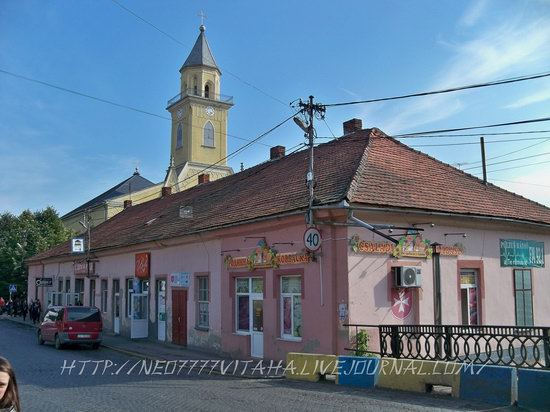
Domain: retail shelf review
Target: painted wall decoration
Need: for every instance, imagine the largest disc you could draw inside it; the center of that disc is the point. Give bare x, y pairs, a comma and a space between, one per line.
142, 265
401, 302
412, 245
266, 257
521, 253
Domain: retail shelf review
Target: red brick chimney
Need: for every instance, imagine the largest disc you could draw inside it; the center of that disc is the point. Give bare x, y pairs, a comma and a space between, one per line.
276, 152
127, 203
204, 178
352, 125
166, 191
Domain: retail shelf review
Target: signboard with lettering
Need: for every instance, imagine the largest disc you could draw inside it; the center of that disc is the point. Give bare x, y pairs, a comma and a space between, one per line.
77, 245
143, 265
44, 282
264, 257
179, 279
521, 253
80, 268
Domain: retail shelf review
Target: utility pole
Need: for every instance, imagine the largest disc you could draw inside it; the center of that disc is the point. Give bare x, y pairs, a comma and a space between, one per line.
483, 164
310, 109
87, 224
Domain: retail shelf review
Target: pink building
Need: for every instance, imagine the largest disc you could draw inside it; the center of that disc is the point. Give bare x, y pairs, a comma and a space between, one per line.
223, 266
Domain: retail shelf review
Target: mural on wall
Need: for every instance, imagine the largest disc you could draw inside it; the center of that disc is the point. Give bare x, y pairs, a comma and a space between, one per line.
402, 302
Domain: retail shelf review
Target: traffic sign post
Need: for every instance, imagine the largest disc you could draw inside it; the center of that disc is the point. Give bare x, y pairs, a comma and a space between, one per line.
12, 289
312, 239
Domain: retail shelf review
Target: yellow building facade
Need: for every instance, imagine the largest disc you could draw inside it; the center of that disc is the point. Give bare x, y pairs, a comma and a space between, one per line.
198, 141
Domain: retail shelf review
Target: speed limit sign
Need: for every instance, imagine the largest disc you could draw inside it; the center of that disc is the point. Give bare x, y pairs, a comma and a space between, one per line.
312, 239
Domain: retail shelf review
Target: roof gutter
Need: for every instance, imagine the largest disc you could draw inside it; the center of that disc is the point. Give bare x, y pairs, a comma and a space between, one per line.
449, 214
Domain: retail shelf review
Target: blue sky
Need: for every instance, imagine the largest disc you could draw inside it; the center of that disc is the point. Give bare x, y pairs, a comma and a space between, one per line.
60, 149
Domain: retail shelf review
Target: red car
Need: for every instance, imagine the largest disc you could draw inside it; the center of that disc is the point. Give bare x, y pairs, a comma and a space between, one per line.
71, 324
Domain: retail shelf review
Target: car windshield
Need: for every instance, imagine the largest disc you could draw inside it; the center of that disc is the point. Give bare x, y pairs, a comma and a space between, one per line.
83, 315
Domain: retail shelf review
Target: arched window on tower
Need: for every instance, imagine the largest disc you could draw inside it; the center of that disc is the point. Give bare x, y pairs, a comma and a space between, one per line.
195, 86
208, 134
179, 137
207, 91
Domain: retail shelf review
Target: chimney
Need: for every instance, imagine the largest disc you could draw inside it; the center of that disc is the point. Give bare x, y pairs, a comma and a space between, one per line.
352, 125
204, 178
166, 191
276, 152
127, 203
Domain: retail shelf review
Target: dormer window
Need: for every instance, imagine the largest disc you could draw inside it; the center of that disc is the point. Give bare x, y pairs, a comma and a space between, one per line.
208, 134
179, 137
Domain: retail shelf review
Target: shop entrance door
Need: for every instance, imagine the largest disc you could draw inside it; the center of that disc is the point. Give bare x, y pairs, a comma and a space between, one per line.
116, 319
179, 317
161, 311
140, 318
257, 332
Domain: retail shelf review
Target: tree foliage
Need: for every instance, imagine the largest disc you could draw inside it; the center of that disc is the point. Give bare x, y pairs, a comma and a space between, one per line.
24, 236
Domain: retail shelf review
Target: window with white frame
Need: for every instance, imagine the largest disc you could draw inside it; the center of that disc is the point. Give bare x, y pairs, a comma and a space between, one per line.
129, 292
246, 291
468, 297
104, 295
291, 307
208, 134
202, 302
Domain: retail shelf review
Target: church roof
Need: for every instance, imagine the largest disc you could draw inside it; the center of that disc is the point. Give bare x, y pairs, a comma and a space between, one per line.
200, 54
365, 168
133, 183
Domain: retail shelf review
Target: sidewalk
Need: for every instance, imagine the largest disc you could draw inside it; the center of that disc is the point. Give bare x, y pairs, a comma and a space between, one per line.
157, 351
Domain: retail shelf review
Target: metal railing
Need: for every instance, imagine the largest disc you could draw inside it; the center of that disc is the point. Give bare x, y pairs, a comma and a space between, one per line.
517, 346
200, 93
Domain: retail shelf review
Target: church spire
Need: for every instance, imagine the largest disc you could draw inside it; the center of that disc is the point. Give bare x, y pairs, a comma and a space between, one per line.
200, 54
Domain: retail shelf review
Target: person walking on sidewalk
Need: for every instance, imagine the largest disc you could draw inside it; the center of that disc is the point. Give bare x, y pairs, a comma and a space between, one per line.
2, 304
24, 310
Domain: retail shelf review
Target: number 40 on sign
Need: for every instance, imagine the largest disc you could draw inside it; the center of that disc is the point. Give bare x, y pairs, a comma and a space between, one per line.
312, 239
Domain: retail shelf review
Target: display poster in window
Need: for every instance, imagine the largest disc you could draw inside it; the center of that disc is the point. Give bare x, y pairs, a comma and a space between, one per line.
521, 253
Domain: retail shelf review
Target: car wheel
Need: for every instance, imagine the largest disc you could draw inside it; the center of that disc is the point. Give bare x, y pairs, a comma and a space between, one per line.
95, 345
40, 340
58, 344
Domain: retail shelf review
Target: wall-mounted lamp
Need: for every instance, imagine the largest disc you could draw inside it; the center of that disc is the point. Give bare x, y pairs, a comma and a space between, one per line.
254, 237
283, 243
230, 250
454, 234
424, 224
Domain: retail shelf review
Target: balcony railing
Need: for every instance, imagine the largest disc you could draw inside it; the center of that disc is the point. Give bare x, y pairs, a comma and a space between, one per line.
200, 93
518, 346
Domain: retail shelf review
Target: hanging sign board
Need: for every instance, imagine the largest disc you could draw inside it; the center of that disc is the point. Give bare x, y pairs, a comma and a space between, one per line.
77, 245
44, 282
143, 263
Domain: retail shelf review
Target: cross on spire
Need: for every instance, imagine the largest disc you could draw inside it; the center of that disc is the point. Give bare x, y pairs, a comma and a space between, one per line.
202, 16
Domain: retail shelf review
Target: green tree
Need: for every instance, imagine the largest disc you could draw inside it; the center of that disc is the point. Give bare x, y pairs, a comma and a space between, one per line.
24, 236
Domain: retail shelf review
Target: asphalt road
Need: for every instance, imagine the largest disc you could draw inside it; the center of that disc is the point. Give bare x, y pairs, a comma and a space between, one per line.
82, 379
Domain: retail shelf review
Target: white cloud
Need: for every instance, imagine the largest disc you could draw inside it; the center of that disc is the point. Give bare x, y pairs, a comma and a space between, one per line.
473, 13
538, 97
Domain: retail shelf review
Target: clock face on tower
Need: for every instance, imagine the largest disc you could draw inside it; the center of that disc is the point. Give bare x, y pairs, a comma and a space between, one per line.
179, 113
209, 111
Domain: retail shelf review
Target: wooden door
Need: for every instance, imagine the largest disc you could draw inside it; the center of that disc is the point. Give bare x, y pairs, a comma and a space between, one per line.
179, 316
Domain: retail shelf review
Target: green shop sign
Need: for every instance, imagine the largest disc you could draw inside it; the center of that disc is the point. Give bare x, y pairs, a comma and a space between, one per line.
521, 253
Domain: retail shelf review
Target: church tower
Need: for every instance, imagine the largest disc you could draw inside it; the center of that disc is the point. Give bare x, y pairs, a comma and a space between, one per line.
199, 118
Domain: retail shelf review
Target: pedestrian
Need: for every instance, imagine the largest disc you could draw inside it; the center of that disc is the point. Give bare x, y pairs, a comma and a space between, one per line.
9, 394
24, 310
2, 304
32, 311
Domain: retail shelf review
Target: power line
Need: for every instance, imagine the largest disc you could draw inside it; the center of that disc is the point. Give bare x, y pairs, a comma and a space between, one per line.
453, 89
479, 134
416, 134
184, 45
477, 143
509, 153
520, 183
99, 99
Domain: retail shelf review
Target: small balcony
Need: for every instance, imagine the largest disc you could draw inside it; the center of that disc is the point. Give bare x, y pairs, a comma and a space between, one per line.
200, 93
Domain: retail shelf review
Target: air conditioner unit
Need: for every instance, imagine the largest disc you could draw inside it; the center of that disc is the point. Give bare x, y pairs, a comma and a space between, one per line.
407, 276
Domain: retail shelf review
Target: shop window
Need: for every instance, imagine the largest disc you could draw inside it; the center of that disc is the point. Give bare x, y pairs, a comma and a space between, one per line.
291, 307
104, 295
202, 302
129, 292
67, 285
248, 290
523, 289
60, 285
469, 297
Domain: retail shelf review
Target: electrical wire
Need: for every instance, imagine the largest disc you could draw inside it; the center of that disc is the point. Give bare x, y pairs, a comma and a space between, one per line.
481, 134
477, 143
453, 89
184, 45
417, 134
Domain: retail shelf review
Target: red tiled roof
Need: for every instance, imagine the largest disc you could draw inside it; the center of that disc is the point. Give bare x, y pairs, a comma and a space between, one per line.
365, 167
